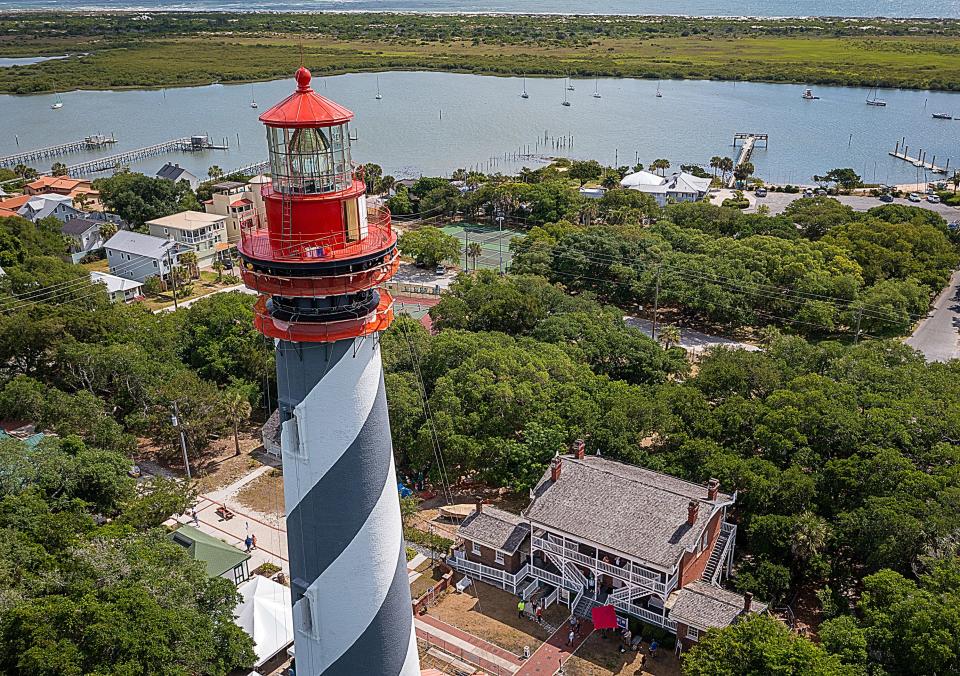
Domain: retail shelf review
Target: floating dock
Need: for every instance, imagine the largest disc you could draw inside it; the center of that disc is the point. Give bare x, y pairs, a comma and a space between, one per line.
89, 143
187, 143
921, 160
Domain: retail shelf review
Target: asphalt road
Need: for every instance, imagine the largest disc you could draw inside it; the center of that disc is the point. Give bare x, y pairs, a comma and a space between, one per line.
691, 340
937, 335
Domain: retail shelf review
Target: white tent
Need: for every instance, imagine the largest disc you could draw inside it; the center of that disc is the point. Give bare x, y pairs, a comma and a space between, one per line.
266, 615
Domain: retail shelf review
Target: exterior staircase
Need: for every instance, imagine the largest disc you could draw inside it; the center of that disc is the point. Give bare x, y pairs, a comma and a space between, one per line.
710, 573
584, 606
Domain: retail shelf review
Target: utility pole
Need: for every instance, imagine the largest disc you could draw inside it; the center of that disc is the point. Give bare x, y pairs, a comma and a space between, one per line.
500, 243
656, 306
175, 419
856, 333
173, 280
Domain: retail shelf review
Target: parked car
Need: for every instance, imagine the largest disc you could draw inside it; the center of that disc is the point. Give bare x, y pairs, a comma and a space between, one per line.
439, 270
886, 197
820, 192
808, 192
933, 199
761, 192
914, 197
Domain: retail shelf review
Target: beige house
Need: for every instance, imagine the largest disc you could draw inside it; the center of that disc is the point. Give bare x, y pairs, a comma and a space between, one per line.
205, 234
240, 203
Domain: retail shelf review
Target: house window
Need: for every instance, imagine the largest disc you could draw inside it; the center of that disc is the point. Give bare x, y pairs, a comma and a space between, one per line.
475, 548
499, 557
693, 633
154, 263
704, 540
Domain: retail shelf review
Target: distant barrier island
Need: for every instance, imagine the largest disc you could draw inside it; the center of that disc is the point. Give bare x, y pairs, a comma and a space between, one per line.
113, 50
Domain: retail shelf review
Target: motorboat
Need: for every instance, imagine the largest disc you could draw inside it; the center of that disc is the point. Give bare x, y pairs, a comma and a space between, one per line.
808, 95
942, 116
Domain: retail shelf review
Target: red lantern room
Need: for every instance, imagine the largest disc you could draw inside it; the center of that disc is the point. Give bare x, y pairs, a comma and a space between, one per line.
322, 254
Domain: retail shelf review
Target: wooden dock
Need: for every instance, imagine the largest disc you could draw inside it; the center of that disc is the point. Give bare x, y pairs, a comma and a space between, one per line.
89, 143
920, 161
748, 143
112, 162
250, 169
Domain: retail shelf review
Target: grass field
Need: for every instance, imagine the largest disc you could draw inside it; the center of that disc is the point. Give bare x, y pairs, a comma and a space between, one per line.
895, 55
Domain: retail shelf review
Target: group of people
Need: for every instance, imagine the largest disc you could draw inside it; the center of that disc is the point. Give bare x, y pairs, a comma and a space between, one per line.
630, 642
536, 612
250, 541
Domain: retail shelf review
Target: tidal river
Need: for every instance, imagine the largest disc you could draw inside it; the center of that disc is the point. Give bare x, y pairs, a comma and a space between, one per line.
432, 123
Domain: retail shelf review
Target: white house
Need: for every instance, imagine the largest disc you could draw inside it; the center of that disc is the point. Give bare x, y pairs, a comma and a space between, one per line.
678, 187
119, 290
205, 234
136, 256
41, 206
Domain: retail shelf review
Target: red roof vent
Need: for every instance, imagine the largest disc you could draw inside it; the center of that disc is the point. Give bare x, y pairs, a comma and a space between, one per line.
305, 108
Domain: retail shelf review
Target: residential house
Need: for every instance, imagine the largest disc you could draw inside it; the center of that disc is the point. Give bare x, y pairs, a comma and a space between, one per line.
606, 533
240, 203
678, 187
494, 538
700, 606
205, 234
176, 173
83, 234
43, 206
119, 289
221, 559
65, 185
9, 206
136, 256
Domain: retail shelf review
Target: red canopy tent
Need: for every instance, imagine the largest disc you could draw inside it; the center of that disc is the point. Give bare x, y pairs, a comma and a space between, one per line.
604, 617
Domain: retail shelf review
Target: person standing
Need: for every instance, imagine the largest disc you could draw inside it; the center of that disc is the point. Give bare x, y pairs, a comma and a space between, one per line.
540, 614
248, 541
653, 648
570, 637
193, 515
520, 606
253, 540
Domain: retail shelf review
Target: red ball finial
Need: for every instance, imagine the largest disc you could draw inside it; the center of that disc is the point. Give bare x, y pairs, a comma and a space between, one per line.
303, 79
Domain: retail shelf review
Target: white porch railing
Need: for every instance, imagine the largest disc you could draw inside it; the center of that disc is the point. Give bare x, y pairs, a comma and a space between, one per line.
551, 598
499, 577
555, 580
578, 577
529, 589
731, 531
644, 614
632, 573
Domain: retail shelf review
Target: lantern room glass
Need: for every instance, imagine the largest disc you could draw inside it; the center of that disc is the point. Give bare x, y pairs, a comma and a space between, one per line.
310, 160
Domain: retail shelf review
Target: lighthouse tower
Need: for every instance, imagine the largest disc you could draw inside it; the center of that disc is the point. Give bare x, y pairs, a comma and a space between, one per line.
317, 264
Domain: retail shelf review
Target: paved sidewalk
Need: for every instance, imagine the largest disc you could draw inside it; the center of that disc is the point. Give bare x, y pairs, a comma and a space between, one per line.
551, 655
466, 646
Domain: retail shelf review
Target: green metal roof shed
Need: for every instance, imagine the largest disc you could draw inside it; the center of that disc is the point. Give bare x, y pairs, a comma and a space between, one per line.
221, 559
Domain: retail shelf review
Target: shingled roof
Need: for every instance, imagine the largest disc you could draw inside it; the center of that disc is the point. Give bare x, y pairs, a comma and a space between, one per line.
495, 528
705, 606
623, 508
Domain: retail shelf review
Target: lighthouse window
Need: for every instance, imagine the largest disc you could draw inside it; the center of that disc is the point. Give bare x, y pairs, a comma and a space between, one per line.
310, 160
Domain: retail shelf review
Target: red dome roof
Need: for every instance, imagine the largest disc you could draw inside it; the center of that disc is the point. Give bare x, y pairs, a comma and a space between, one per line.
305, 108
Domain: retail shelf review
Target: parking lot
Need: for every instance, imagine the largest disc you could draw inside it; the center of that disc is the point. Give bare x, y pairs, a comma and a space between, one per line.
778, 201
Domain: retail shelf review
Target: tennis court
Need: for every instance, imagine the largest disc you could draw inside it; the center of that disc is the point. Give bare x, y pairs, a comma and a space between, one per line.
493, 243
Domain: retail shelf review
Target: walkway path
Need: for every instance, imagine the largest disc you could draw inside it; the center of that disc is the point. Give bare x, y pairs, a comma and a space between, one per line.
554, 652
467, 647
937, 334
691, 340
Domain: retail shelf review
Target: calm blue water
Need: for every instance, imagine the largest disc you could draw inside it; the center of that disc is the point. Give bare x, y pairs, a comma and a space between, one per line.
26, 60
484, 117
891, 8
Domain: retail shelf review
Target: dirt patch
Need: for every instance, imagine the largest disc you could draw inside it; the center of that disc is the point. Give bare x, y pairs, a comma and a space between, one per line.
428, 519
601, 657
264, 494
494, 618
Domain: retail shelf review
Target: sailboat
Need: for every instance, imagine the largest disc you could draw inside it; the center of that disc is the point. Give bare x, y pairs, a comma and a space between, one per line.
569, 85
58, 104
596, 88
565, 101
379, 95
524, 94
872, 99
659, 93
253, 99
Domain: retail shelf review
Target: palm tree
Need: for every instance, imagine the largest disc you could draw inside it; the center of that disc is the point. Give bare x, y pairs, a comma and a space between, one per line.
387, 183
215, 172
473, 251
107, 230
58, 169
218, 268
610, 180
955, 179
726, 166
23, 171
669, 335
237, 409
81, 200
189, 260
809, 536
638, 167
715, 164
660, 165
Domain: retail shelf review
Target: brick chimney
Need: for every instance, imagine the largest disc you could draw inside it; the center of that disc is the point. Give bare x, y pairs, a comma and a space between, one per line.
747, 602
713, 488
555, 466
479, 505
693, 509
578, 449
